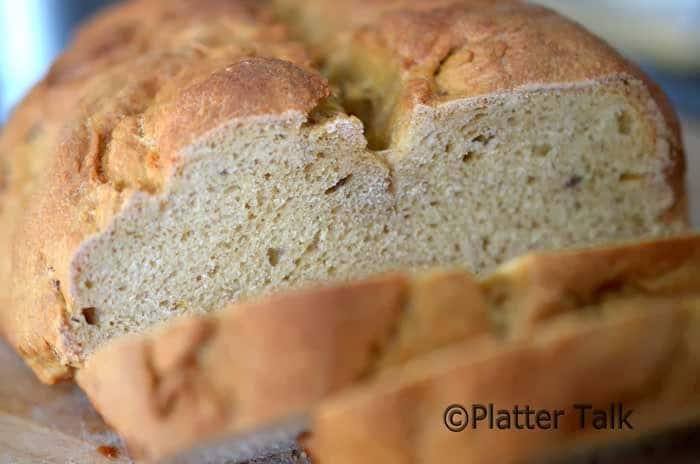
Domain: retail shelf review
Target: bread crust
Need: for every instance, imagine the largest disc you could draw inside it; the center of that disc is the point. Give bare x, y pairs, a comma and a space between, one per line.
169, 73
180, 384
404, 337
540, 286
600, 363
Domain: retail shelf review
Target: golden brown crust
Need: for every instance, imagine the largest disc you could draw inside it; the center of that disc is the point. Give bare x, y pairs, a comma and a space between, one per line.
540, 286
469, 50
644, 356
134, 28
262, 361
250, 87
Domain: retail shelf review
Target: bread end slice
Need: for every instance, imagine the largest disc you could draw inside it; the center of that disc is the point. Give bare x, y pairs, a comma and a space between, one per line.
642, 357
207, 376
264, 360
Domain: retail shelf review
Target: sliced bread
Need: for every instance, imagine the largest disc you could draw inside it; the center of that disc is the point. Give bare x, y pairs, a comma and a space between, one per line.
576, 313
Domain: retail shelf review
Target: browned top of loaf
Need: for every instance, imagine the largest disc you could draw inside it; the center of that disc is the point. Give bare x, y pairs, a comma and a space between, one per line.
250, 87
448, 49
146, 78
469, 50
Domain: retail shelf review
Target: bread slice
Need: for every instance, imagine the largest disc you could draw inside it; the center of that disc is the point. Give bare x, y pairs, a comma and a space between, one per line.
203, 158
641, 356
263, 361
259, 361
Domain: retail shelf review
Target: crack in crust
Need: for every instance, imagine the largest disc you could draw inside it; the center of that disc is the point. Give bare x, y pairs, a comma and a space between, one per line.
175, 378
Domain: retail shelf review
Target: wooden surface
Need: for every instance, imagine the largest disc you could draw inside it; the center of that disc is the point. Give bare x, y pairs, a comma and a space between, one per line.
41, 424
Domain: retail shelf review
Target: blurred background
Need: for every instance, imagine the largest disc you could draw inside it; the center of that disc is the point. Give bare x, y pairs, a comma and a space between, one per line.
663, 36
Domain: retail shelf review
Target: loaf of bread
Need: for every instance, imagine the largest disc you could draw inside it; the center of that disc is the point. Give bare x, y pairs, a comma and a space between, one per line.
183, 154
536, 331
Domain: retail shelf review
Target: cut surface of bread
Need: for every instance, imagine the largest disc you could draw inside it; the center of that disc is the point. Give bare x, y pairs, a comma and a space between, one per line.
203, 157
264, 361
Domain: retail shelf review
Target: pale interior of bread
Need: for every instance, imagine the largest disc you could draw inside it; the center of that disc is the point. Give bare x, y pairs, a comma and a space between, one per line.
273, 202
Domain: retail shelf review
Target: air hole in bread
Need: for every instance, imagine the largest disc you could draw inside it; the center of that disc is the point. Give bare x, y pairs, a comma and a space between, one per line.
338, 184
468, 156
624, 123
573, 181
630, 177
542, 150
483, 139
90, 315
273, 256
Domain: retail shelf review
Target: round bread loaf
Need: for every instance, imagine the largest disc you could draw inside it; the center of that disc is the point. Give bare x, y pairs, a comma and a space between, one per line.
182, 155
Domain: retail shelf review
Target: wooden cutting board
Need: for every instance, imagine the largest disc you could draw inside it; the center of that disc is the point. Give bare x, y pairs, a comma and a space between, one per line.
42, 424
